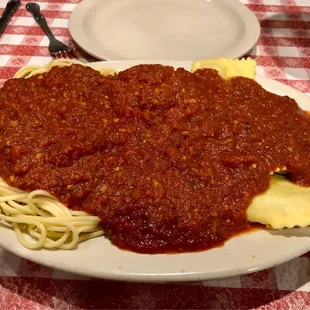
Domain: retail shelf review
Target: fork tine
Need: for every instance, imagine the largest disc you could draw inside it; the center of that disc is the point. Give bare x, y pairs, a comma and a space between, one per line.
66, 55
58, 55
73, 53
69, 54
62, 54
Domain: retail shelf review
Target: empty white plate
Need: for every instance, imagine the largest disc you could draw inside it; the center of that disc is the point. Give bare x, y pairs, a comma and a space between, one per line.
164, 29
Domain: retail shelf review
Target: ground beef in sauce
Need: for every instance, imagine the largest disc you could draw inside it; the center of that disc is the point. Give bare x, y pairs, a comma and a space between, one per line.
168, 159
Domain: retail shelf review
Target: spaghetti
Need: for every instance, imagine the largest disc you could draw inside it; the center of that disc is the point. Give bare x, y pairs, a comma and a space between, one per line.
28, 71
38, 219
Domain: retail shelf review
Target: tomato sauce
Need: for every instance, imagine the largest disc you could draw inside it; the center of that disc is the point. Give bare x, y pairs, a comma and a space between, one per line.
168, 159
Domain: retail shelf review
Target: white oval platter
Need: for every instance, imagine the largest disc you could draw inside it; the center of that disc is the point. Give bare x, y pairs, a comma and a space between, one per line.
243, 254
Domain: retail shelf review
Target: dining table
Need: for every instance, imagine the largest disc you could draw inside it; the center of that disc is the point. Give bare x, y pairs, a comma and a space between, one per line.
282, 53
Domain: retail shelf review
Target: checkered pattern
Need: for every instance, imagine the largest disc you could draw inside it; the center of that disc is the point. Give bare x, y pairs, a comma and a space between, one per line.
282, 53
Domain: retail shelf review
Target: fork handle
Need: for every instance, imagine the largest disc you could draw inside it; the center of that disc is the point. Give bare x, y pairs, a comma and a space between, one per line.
34, 9
8, 12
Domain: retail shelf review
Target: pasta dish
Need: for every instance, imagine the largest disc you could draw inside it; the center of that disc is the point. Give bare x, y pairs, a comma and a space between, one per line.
157, 159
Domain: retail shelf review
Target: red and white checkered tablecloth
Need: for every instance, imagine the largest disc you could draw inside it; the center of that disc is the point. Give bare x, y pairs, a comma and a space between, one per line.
282, 53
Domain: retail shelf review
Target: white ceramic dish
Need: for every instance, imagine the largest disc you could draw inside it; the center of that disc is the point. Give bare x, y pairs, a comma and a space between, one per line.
164, 29
243, 254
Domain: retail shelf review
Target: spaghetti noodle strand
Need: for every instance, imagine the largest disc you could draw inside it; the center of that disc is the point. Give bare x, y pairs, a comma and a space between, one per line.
41, 221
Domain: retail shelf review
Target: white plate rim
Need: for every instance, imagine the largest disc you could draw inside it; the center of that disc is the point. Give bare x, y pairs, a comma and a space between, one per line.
244, 46
10, 242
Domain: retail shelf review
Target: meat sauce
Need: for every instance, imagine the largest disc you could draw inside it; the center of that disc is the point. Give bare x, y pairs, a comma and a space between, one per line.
168, 159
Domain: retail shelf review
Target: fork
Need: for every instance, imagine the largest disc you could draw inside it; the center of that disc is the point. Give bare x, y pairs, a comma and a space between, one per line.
56, 48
